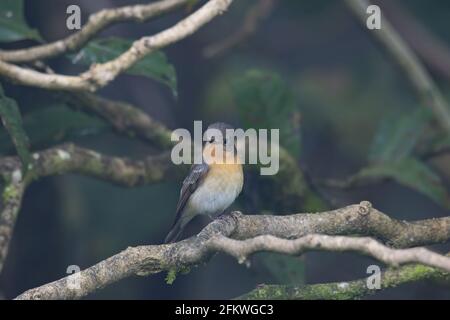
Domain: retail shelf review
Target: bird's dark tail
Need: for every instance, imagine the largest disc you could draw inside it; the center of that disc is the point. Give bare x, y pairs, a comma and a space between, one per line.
174, 233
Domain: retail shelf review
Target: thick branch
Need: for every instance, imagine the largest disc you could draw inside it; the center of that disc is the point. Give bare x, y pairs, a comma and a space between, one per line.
99, 75
242, 249
142, 260
391, 278
96, 23
413, 69
360, 219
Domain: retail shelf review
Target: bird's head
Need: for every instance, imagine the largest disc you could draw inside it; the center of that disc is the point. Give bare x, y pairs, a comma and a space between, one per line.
217, 133
216, 137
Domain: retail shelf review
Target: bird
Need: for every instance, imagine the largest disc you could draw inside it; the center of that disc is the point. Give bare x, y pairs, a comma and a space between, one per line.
211, 186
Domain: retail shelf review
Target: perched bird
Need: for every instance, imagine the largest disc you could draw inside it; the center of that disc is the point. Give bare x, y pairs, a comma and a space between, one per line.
210, 187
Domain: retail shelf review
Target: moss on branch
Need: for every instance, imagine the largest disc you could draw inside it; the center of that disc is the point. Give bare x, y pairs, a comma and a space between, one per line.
355, 289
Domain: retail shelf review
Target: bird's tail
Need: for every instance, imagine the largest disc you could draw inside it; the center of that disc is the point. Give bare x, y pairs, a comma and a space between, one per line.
174, 233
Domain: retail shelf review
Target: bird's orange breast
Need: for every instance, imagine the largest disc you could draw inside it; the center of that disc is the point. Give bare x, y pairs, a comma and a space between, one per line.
226, 174
228, 168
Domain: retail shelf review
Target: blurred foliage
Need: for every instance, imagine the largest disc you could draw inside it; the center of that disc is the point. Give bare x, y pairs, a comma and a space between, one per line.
155, 65
54, 124
409, 172
398, 134
265, 101
347, 104
283, 268
12, 122
392, 156
439, 143
13, 26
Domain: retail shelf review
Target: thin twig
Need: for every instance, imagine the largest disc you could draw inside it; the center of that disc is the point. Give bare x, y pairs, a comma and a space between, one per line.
430, 47
413, 69
256, 14
99, 75
96, 23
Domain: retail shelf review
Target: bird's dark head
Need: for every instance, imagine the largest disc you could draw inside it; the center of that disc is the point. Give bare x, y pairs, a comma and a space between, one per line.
217, 132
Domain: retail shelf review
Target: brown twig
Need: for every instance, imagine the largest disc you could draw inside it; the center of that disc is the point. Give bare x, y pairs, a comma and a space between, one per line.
256, 14
99, 75
96, 23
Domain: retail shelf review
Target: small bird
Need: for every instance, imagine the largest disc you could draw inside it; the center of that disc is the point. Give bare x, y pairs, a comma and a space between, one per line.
210, 187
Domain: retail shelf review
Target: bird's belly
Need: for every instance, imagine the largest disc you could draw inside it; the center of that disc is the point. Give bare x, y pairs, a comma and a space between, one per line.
217, 193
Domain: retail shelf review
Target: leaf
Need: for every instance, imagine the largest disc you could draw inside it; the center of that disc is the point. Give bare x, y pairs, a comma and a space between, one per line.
171, 276
13, 26
12, 121
440, 143
412, 173
54, 124
265, 101
397, 136
154, 65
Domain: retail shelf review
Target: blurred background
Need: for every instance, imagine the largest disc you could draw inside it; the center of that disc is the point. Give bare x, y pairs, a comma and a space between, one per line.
306, 67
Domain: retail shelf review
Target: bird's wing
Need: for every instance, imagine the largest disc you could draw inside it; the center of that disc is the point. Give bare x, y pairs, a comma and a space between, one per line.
190, 184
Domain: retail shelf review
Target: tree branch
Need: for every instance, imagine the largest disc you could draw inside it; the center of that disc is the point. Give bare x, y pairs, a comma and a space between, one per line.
354, 219
433, 51
391, 278
413, 69
96, 23
257, 13
99, 75
124, 118
241, 249
69, 158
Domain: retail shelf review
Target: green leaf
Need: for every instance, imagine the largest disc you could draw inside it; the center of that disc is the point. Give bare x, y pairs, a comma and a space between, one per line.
437, 144
171, 276
54, 124
264, 100
154, 65
12, 121
13, 26
412, 173
398, 135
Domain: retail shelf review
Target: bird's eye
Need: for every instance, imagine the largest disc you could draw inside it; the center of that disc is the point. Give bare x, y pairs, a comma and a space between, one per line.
211, 140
